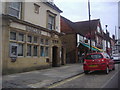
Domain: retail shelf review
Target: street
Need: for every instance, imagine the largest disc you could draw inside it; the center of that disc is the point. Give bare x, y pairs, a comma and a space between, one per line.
91, 80
69, 76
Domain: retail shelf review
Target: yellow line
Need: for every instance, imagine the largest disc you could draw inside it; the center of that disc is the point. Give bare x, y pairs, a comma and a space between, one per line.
65, 81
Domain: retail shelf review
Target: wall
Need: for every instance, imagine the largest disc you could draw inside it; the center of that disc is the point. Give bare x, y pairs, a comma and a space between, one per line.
37, 19
24, 63
70, 42
29, 15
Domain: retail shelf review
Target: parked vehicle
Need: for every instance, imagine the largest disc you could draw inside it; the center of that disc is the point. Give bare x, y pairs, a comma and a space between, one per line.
98, 61
116, 58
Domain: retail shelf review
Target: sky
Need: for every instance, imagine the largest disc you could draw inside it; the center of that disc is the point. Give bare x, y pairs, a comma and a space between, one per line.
105, 10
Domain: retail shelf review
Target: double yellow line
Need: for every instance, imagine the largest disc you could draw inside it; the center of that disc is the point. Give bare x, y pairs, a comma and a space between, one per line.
65, 81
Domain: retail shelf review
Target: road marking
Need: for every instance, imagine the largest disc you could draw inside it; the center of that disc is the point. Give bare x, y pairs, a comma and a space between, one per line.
110, 79
65, 81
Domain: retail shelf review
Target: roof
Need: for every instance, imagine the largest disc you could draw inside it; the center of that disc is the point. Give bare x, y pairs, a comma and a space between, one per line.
83, 26
53, 6
79, 27
67, 26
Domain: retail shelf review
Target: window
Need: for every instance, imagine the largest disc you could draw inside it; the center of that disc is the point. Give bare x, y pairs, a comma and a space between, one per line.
14, 9
21, 37
46, 42
20, 49
106, 55
36, 8
42, 51
41, 41
13, 49
35, 50
35, 39
46, 51
12, 35
98, 29
29, 49
51, 22
94, 56
29, 38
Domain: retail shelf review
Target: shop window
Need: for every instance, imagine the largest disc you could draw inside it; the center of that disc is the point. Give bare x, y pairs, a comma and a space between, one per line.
20, 49
46, 41
29, 38
35, 50
29, 49
21, 37
13, 49
42, 51
14, 9
51, 22
46, 51
36, 8
41, 41
12, 35
35, 39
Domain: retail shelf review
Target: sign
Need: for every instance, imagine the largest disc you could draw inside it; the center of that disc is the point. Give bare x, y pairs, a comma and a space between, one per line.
33, 30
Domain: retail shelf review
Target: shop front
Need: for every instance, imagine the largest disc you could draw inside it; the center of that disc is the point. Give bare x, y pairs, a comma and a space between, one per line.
28, 47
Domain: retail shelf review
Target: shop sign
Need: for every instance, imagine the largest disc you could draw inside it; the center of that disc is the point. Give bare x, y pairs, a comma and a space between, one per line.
33, 30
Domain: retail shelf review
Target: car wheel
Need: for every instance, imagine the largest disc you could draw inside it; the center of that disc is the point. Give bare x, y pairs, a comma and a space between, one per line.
107, 70
86, 72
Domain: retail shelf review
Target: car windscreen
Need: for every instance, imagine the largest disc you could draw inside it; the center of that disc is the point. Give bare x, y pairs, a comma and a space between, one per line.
94, 56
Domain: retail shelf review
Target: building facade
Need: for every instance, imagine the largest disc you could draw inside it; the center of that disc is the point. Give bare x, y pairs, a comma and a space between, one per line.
81, 39
30, 36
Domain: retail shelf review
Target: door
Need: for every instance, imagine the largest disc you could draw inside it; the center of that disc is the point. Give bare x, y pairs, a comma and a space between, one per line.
54, 56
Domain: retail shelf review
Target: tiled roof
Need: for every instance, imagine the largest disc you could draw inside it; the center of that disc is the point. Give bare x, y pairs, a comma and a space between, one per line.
83, 26
67, 26
79, 27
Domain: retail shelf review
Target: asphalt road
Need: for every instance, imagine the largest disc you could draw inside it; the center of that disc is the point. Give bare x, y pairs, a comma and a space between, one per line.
92, 80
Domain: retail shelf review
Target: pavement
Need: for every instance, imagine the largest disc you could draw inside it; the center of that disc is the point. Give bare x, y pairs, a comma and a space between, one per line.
41, 78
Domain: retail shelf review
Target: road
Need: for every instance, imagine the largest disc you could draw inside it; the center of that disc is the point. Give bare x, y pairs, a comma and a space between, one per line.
92, 80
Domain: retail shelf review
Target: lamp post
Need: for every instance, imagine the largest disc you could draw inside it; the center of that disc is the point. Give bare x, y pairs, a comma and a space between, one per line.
89, 22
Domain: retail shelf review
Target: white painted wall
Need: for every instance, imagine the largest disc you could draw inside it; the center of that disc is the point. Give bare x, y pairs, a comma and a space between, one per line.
41, 18
38, 19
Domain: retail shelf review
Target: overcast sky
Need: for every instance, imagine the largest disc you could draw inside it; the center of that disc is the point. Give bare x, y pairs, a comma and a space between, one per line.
105, 10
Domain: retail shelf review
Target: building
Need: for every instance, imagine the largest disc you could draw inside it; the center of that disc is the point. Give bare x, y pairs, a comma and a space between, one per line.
77, 40
119, 20
116, 48
30, 36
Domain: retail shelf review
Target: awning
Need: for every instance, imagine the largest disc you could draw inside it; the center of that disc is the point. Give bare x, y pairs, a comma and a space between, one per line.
92, 47
98, 48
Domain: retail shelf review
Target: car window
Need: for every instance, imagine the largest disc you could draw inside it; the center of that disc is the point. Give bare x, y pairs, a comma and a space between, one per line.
94, 56
106, 55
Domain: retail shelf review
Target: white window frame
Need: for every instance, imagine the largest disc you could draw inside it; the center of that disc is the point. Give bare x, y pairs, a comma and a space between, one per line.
18, 10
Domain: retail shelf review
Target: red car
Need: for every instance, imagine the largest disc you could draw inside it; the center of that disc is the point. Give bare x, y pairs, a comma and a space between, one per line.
98, 61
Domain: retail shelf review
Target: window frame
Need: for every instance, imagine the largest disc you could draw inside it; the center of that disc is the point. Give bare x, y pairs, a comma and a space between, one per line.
49, 13
14, 8
22, 50
36, 8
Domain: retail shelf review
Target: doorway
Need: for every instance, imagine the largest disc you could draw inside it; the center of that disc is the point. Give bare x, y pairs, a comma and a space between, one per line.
54, 56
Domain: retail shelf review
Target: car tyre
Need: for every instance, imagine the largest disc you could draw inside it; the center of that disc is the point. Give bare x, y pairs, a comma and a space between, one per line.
86, 72
107, 70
